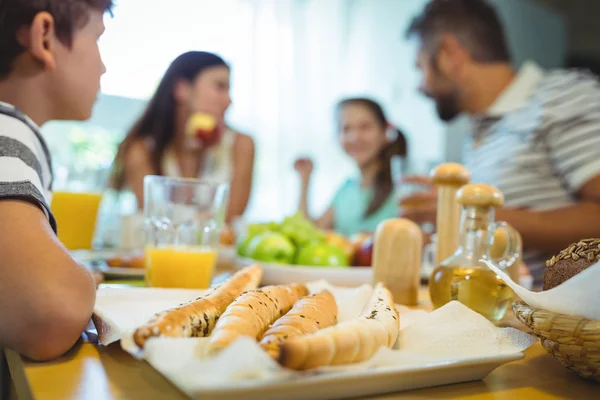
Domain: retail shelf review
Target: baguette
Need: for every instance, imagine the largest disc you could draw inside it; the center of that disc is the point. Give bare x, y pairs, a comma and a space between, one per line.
308, 315
351, 341
198, 317
252, 313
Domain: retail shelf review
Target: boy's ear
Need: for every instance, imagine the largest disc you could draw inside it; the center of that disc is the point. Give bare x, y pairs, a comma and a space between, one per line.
42, 40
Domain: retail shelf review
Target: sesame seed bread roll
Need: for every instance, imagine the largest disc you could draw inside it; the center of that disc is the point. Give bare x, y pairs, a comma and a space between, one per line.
308, 315
349, 342
252, 313
198, 317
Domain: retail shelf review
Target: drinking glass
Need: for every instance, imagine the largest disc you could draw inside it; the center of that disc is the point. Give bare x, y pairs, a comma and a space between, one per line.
183, 220
403, 190
75, 204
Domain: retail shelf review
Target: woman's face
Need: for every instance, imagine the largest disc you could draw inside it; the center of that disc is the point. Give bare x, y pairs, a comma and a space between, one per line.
210, 92
362, 136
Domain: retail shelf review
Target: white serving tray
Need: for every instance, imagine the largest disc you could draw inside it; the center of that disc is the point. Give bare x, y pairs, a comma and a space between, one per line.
362, 383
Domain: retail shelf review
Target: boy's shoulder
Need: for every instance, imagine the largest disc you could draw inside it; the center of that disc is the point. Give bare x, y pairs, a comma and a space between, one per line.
25, 166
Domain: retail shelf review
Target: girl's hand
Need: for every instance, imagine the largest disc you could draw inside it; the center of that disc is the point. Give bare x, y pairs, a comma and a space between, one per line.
304, 167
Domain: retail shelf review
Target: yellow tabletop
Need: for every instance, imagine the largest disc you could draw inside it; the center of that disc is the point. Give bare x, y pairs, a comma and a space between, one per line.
94, 372
90, 371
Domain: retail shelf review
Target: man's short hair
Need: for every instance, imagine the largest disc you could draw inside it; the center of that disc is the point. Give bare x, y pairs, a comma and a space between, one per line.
69, 15
475, 23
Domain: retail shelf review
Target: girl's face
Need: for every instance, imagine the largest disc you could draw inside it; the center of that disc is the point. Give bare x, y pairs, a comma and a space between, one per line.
209, 92
362, 136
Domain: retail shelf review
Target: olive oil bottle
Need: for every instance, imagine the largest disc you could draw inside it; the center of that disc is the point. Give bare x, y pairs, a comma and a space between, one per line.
464, 276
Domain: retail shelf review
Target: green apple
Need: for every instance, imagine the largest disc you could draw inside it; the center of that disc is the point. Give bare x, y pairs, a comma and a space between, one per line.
322, 255
242, 247
253, 231
271, 247
300, 230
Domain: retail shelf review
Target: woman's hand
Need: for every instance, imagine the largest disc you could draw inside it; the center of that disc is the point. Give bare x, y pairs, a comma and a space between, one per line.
304, 167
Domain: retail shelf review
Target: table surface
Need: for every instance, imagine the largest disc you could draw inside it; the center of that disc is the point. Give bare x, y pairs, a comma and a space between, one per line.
90, 371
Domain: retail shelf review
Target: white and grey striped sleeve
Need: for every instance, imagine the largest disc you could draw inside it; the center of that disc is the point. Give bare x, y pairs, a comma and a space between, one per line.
22, 165
574, 138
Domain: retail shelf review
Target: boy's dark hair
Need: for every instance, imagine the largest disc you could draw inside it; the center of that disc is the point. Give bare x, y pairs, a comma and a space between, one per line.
69, 15
475, 24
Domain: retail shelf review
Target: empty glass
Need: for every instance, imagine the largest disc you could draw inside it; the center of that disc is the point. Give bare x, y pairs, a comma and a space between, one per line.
183, 219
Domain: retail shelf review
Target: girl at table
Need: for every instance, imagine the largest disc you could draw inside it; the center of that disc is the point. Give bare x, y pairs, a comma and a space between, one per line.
362, 202
183, 133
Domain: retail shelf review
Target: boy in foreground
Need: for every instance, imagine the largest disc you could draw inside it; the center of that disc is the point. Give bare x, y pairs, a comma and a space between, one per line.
50, 69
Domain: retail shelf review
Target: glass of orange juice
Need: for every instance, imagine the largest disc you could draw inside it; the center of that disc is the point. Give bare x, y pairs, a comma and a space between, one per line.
183, 219
75, 204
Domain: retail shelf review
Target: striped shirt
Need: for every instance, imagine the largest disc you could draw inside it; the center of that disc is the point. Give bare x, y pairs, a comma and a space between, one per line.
25, 169
539, 143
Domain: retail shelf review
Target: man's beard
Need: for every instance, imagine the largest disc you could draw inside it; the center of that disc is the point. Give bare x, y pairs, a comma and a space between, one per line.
447, 106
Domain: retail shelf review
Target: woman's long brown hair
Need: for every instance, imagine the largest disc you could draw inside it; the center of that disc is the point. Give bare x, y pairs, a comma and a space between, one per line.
382, 185
157, 122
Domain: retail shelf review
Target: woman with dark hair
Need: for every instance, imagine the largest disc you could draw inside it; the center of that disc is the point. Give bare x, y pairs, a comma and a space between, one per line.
367, 137
183, 133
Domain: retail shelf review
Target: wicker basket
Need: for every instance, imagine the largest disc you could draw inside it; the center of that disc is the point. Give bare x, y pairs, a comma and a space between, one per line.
573, 341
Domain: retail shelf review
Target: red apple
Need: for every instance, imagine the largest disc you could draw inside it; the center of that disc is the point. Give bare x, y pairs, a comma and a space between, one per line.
204, 127
364, 254
358, 239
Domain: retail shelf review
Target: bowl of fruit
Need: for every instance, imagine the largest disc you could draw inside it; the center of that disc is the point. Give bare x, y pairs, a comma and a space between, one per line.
295, 250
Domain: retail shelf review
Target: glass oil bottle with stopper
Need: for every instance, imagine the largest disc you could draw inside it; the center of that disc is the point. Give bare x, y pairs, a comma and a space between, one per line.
464, 276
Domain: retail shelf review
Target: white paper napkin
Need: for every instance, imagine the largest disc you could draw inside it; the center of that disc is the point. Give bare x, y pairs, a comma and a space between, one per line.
578, 296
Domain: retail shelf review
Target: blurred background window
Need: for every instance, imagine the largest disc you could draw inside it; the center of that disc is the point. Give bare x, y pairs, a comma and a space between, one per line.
292, 60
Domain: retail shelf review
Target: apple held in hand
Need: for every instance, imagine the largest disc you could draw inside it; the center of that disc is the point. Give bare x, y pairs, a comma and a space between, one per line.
322, 255
203, 126
271, 247
364, 254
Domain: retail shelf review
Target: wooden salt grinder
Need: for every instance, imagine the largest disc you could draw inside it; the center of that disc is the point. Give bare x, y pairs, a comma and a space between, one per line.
448, 178
397, 249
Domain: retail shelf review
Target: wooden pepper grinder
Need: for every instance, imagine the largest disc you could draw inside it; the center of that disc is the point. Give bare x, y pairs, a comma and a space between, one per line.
397, 248
448, 178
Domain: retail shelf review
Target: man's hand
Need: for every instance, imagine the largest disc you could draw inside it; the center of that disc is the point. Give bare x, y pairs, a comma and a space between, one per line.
420, 207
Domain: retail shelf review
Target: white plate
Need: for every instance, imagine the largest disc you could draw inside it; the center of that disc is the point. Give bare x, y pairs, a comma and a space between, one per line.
95, 259
355, 384
92, 256
228, 252
119, 272
87, 256
275, 274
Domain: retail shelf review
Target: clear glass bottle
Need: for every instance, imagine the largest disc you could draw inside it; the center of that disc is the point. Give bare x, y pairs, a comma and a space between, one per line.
463, 276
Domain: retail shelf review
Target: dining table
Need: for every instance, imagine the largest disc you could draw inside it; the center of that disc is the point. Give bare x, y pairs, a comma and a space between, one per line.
92, 371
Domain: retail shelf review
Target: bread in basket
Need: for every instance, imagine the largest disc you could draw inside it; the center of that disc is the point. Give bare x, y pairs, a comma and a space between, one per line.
572, 340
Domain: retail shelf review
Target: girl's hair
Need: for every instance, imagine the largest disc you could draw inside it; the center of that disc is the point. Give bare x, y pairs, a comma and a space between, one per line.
158, 120
383, 185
